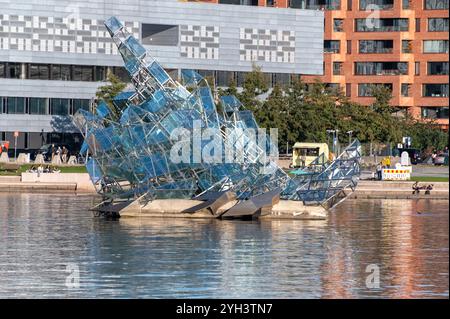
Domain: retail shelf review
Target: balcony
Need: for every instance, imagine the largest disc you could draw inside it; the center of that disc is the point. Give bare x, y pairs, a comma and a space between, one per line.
381, 68
315, 4
435, 90
376, 5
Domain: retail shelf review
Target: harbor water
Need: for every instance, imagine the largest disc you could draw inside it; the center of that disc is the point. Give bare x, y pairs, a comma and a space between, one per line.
51, 246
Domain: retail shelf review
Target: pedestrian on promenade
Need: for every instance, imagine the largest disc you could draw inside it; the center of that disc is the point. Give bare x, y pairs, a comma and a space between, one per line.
65, 152
379, 170
53, 151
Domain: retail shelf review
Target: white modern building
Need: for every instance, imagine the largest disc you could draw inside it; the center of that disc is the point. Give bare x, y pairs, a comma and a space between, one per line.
55, 53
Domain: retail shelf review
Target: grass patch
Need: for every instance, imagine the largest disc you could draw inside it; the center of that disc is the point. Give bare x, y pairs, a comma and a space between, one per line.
429, 179
23, 168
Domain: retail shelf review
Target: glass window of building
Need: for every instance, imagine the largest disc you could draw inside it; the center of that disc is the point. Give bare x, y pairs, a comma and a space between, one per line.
381, 68
376, 4
435, 46
338, 25
59, 106
316, 4
438, 24
406, 4
436, 4
376, 46
438, 68
381, 25
435, 112
435, 90
406, 46
12, 70
121, 73
38, 106
38, 71
282, 79
100, 73
405, 89
82, 73
348, 89
337, 68
365, 89
60, 72
82, 104
2, 70
332, 46
1, 104
224, 78
160, 34
16, 105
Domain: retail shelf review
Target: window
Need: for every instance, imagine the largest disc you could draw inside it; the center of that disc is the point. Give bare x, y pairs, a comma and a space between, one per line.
338, 25
270, 3
60, 72
438, 24
16, 105
436, 4
1, 104
80, 104
121, 73
224, 78
2, 70
376, 4
349, 5
381, 25
348, 89
38, 72
365, 89
100, 73
376, 46
282, 79
59, 106
435, 90
12, 70
161, 34
435, 112
417, 68
38, 105
349, 46
406, 4
82, 73
337, 68
435, 46
417, 24
406, 46
316, 4
381, 68
405, 88
332, 46
438, 68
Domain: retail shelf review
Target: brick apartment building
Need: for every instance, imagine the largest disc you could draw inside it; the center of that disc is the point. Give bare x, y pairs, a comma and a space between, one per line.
402, 44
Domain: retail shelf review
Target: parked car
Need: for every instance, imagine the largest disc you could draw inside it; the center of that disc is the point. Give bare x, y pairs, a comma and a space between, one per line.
441, 159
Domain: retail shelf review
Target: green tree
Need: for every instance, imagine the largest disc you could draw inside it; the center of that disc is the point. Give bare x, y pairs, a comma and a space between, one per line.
107, 93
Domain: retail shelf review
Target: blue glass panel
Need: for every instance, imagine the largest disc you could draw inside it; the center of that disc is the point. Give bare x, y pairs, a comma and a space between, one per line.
94, 170
135, 47
102, 109
158, 72
113, 24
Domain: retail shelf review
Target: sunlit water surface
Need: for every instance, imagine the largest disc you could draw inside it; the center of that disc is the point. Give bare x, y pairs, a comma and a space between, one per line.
44, 238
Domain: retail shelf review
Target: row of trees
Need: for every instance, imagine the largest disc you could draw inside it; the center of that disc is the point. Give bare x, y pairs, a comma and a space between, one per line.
305, 112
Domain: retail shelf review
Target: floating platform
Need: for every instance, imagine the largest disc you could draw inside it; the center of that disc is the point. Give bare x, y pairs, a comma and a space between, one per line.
181, 208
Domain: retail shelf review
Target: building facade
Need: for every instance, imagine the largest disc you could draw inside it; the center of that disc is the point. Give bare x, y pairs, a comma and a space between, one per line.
54, 54
402, 44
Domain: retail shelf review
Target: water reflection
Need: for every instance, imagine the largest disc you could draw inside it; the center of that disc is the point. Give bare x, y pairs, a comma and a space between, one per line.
156, 258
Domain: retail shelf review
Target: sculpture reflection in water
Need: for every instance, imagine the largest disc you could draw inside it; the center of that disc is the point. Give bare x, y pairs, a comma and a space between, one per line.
150, 144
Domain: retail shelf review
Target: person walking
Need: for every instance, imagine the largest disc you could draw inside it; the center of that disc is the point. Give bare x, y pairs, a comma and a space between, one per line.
64, 155
53, 151
379, 171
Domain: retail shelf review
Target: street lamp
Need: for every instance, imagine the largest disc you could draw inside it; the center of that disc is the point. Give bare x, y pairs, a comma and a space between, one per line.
349, 137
